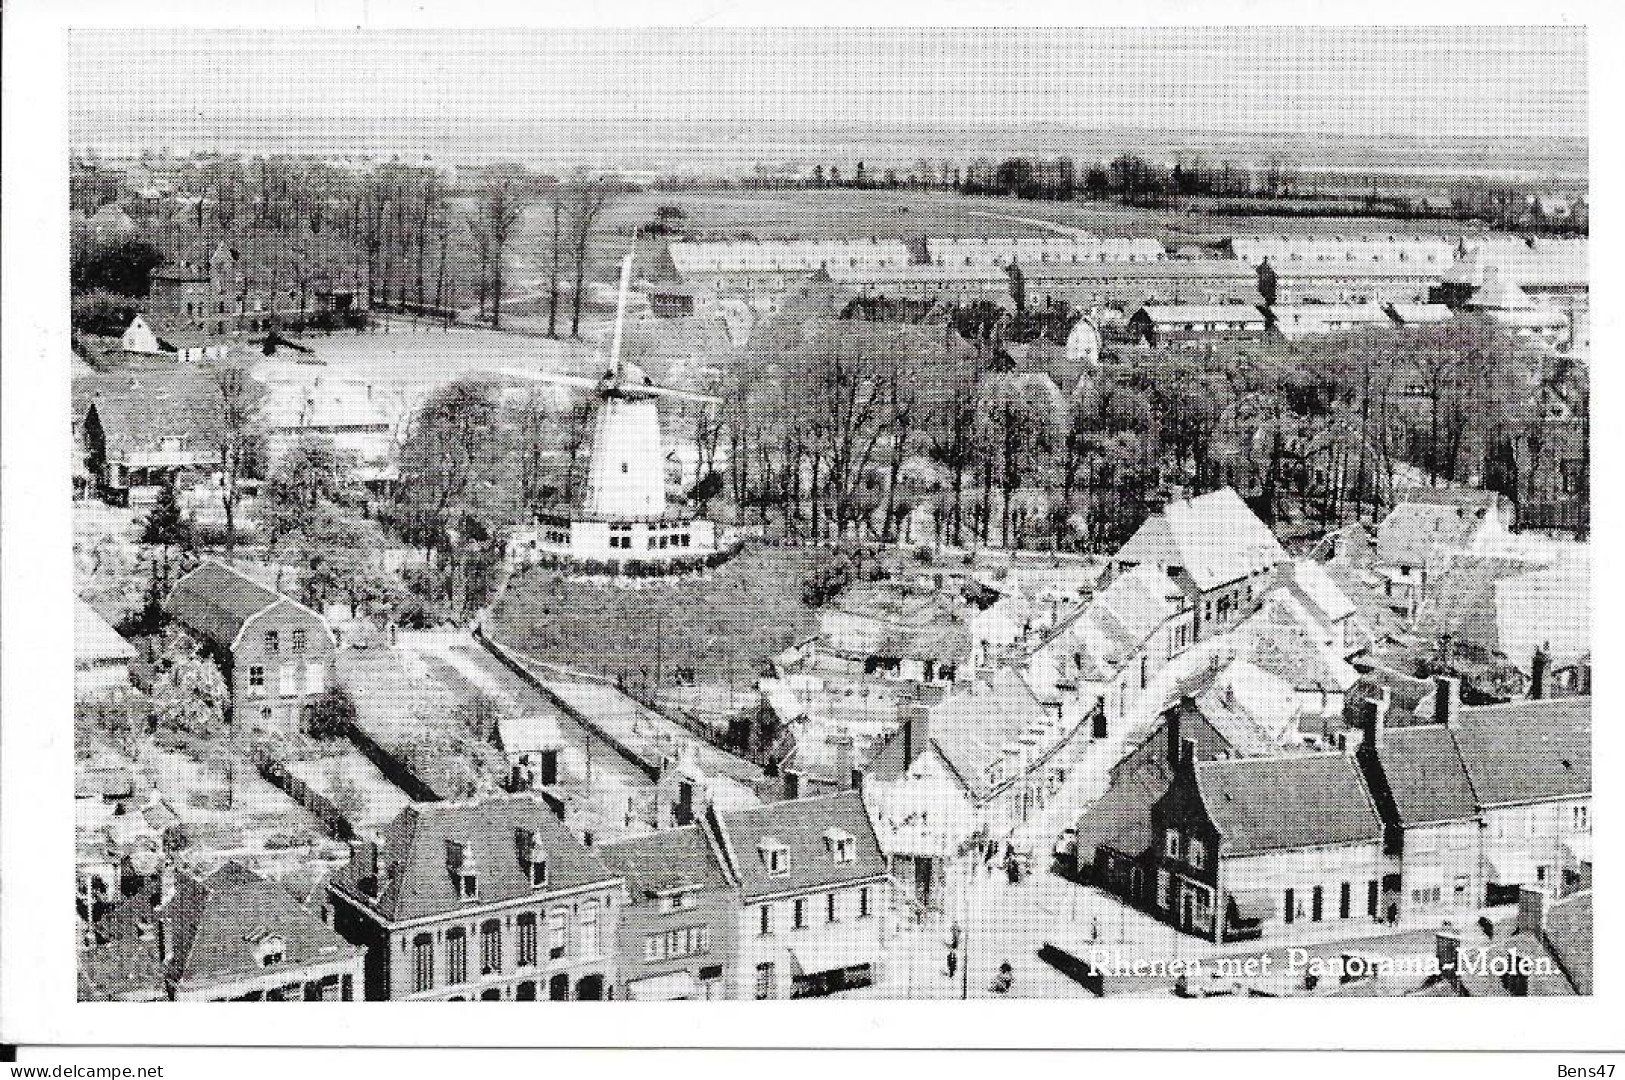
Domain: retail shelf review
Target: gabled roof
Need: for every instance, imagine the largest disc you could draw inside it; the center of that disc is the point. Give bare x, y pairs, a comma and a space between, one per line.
94, 640
1271, 804
799, 826
414, 876
1526, 751
216, 600
971, 728
137, 410
1284, 638
664, 861
1426, 775
1408, 534
1214, 537
216, 925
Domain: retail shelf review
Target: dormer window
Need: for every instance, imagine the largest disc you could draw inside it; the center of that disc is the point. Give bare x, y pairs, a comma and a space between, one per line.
269, 949
838, 842
531, 857
464, 875
775, 857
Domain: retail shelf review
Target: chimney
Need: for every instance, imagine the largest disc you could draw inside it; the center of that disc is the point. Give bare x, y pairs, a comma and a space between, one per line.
1174, 735
1187, 754
845, 762
1531, 912
916, 732
1537, 672
1374, 719
1446, 698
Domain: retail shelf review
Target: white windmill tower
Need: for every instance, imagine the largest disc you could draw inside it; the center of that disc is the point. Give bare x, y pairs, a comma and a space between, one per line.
623, 514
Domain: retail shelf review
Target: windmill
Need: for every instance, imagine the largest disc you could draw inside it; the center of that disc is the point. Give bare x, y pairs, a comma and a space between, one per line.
626, 476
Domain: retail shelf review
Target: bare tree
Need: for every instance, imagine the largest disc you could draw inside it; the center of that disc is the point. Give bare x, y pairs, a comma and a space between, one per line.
587, 205
233, 421
501, 204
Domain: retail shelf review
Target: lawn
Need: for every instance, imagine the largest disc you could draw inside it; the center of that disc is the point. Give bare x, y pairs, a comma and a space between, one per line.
724, 624
417, 358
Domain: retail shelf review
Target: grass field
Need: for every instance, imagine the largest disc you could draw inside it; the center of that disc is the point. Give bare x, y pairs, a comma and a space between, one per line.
724, 624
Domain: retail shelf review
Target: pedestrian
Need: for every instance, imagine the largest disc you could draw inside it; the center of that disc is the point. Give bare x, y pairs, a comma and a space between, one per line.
953, 962
1004, 980
953, 936
1094, 928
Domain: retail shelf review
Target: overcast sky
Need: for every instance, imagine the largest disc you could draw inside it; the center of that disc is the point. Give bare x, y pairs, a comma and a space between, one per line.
1357, 81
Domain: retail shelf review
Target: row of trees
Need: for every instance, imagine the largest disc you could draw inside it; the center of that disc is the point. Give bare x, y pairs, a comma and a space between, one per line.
417, 239
833, 428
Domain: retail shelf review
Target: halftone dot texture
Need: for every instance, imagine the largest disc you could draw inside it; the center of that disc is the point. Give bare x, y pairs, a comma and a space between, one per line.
391, 208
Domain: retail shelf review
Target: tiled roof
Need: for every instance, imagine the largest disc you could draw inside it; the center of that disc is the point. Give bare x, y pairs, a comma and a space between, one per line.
1214, 537
1270, 804
94, 639
215, 926
669, 859
1282, 638
1121, 818
1407, 535
1526, 750
414, 877
1568, 938
799, 826
1426, 775
216, 600
137, 410
124, 969
971, 727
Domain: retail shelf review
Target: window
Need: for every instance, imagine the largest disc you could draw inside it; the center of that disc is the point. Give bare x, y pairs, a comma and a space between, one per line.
468, 886
456, 955
674, 944
1170, 843
590, 942
1317, 901
863, 902
422, 963
676, 901
1165, 890
1345, 900
558, 933
829, 908
798, 918
527, 939
538, 872
272, 642
1290, 906
288, 680
1580, 819
272, 951
491, 947
299, 641
1198, 854
1371, 899
839, 843
315, 678
774, 856
256, 681
767, 918
764, 981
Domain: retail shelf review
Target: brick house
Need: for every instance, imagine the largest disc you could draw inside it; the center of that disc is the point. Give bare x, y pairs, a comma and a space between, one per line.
1246, 848
276, 654
136, 432
234, 936
1480, 802
679, 932
486, 900
815, 896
